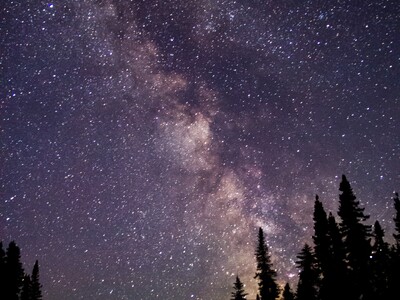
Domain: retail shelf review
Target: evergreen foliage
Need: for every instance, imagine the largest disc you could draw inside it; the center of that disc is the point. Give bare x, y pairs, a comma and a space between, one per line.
356, 239
287, 293
343, 264
26, 293
2, 271
320, 237
308, 278
14, 283
379, 264
321, 245
238, 293
336, 273
394, 269
14, 272
36, 286
266, 275
396, 220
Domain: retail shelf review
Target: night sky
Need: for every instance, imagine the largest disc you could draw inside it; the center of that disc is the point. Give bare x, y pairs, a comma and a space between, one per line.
144, 142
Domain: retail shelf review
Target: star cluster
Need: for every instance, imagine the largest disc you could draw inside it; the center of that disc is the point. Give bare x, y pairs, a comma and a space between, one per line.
144, 142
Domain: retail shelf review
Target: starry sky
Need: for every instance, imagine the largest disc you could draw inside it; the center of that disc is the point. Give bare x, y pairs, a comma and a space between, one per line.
144, 142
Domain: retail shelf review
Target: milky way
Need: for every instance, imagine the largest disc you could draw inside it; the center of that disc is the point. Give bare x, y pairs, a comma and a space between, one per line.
144, 142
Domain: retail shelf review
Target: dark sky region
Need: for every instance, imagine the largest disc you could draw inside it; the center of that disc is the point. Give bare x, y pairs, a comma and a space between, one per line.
144, 142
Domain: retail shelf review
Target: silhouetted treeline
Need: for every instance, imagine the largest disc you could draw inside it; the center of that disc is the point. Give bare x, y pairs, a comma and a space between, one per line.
15, 284
350, 260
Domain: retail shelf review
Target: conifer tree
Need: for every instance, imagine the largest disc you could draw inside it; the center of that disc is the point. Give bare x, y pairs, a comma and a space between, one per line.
2, 256
394, 270
238, 293
2, 271
379, 264
356, 239
266, 275
321, 245
396, 220
14, 272
26, 293
320, 238
307, 286
36, 286
336, 273
287, 293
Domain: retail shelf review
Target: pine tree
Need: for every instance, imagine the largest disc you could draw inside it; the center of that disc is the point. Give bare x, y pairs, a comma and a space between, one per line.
321, 245
266, 275
394, 270
320, 238
356, 239
396, 220
26, 293
2, 257
287, 293
238, 293
307, 286
379, 264
36, 286
14, 272
2, 271
336, 273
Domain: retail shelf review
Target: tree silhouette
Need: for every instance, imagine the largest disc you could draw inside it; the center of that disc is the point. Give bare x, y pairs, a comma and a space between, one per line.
342, 264
379, 264
14, 283
26, 293
307, 286
396, 220
14, 272
356, 239
287, 293
336, 273
320, 237
2, 271
266, 275
238, 293
321, 246
36, 286
394, 270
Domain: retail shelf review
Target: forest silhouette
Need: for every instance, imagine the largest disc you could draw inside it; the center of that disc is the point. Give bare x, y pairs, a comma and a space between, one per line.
15, 284
349, 260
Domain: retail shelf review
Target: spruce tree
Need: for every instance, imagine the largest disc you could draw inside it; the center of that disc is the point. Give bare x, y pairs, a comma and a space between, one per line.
396, 220
2, 271
336, 273
394, 270
287, 293
36, 286
379, 264
321, 245
238, 293
356, 239
307, 286
320, 238
266, 275
14, 272
26, 293
2, 257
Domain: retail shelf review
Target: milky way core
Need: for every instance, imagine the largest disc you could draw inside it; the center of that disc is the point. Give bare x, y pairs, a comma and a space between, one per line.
144, 142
